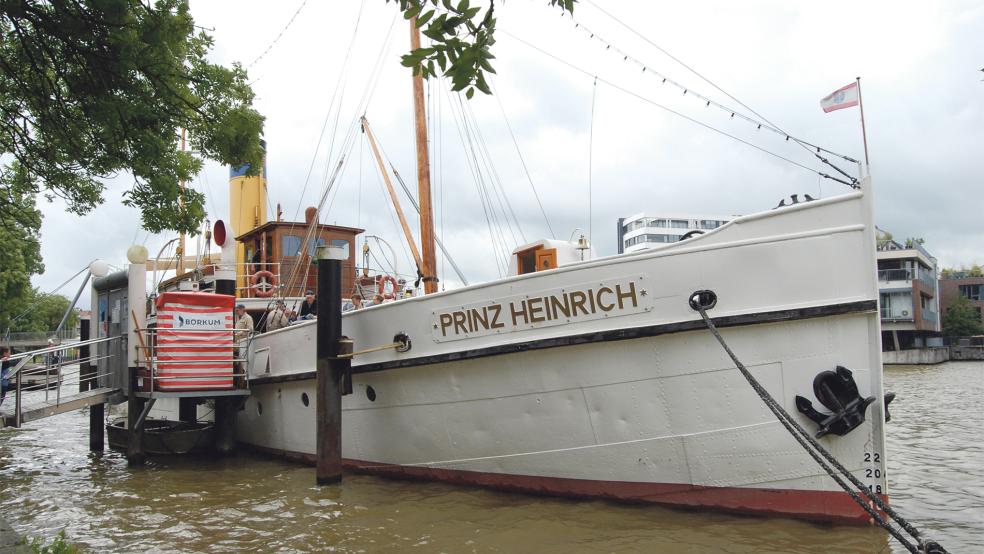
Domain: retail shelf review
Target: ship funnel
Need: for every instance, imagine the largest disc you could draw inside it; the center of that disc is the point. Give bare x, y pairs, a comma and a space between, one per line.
247, 207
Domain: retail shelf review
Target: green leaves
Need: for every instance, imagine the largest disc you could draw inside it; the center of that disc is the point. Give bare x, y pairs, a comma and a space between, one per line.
20, 233
461, 41
94, 88
962, 319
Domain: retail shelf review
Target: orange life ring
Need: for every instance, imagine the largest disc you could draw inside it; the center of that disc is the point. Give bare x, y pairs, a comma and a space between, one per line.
381, 284
263, 283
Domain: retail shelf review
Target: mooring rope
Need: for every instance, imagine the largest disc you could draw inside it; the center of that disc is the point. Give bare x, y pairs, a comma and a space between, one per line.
701, 301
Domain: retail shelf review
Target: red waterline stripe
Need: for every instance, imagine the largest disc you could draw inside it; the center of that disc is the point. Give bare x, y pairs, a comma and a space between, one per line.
824, 506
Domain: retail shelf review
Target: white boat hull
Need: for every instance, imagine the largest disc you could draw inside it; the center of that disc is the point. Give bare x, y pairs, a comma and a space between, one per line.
636, 402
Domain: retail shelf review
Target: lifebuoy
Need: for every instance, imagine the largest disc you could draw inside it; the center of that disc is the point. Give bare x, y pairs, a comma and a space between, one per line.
381, 286
263, 283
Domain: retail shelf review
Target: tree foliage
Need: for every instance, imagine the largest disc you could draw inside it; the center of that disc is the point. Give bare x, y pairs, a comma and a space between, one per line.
962, 319
461, 40
42, 312
90, 89
20, 255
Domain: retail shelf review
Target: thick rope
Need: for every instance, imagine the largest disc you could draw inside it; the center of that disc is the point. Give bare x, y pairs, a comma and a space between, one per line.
820, 454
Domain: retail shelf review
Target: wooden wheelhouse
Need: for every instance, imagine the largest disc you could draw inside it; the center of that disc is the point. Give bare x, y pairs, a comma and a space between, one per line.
283, 249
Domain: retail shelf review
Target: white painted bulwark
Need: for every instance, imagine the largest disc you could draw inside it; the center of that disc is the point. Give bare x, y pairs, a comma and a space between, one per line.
628, 397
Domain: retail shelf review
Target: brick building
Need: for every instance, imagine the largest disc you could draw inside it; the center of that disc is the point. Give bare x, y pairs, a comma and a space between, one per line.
959, 284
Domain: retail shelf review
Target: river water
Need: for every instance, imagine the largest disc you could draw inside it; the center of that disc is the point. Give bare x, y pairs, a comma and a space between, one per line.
49, 481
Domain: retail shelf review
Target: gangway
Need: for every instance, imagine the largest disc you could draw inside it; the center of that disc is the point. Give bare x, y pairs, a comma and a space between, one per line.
30, 401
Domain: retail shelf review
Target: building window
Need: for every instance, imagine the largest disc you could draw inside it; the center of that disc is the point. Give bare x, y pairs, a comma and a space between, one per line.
679, 224
896, 305
972, 292
710, 224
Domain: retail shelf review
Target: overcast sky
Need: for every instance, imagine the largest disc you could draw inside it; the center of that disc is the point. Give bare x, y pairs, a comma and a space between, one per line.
922, 87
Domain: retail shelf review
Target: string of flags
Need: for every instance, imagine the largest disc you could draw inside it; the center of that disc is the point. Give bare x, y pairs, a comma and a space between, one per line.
708, 102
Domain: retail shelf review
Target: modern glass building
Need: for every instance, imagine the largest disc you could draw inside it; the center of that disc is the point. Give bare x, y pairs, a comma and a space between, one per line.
645, 230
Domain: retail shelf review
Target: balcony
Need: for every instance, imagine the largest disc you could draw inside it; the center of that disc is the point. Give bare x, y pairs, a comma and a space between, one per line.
886, 275
924, 275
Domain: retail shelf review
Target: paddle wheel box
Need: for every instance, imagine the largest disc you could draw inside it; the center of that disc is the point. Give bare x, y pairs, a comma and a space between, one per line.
193, 347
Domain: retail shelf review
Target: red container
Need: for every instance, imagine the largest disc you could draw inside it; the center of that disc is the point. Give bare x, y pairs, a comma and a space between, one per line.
194, 346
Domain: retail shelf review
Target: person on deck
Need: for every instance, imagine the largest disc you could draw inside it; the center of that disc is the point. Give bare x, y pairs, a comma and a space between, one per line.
4, 368
244, 323
354, 304
378, 299
277, 317
244, 326
309, 309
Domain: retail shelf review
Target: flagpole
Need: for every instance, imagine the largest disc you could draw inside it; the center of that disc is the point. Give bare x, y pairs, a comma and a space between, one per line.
864, 134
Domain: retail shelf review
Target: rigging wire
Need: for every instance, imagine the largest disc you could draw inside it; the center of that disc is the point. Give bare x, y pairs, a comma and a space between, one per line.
497, 251
522, 160
494, 174
279, 35
762, 122
391, 210
594, 93
331, 105
56, 289
672, 111
481, 183
347, 143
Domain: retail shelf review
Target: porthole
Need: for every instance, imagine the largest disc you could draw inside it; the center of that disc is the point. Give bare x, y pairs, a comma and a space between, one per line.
259, 408
371, 393
304, 399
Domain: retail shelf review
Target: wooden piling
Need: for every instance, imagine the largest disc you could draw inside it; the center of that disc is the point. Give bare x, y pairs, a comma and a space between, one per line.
134, 407
188, 410
330, 370
226, 408
97, 429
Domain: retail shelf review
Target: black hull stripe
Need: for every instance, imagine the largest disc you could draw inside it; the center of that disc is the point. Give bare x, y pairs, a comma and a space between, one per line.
600, 336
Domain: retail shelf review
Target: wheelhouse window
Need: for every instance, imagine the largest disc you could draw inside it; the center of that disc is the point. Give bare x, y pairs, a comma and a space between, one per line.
290, 245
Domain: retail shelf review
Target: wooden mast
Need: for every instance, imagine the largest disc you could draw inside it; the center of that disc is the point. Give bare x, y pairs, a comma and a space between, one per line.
429, 266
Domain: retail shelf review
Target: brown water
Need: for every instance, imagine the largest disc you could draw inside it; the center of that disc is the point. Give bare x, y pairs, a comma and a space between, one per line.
49, 481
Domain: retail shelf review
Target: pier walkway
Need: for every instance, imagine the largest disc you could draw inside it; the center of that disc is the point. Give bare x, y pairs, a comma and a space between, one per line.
41, 408
57, 386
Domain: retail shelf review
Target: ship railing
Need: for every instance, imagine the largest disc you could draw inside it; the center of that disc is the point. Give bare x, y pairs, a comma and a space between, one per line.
245, 287
155, 369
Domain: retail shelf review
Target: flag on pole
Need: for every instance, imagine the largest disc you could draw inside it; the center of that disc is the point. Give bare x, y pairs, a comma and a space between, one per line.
844, 97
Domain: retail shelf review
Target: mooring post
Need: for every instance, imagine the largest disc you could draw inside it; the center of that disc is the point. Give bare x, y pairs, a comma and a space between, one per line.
134, 425
188, 410
226, 408
97, 430
330, 368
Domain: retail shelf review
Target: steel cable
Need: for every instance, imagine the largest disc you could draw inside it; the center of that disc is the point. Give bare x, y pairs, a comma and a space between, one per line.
820, 454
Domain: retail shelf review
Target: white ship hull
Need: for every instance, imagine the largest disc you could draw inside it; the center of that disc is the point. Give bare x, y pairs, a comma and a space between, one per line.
629, 397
